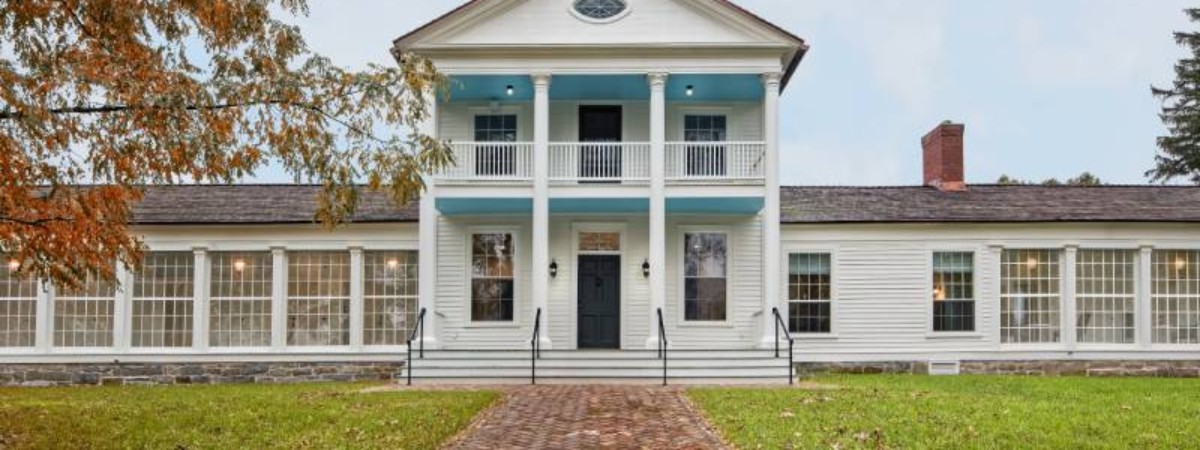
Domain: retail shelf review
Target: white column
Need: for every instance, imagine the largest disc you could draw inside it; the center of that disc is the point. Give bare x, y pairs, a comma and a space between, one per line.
44, 336
278, 298
1069, 318
541, 199
772, 255
1144, 310
122, 332
356, 298
200, 302
427, 250
658, 203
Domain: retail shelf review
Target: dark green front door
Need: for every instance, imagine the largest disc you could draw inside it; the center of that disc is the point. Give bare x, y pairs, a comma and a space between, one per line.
599, 301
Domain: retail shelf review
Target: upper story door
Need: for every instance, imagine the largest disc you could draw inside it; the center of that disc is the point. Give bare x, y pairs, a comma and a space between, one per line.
600, 124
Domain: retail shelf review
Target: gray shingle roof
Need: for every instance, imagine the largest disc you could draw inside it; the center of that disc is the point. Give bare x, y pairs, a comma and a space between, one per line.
255, 204
990, 203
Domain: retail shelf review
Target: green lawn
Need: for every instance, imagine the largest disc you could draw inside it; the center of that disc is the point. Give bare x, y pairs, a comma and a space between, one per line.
234, 416
959, 412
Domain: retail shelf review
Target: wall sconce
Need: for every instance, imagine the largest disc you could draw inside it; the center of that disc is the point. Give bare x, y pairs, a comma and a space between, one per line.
509, 90
646, 268
554, 269
691, 90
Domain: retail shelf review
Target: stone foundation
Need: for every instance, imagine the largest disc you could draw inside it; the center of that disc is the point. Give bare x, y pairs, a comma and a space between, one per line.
193, 373
1074, 368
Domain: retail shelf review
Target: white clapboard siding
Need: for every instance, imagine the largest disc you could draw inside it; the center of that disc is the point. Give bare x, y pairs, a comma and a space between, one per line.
454, 293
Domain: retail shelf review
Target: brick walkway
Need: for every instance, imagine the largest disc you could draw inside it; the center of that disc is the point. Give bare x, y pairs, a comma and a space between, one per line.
562, 417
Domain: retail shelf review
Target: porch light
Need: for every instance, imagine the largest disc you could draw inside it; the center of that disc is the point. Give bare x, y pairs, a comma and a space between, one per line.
509, 90
239, 265
14, 265
646, 268
554, 269
691, 90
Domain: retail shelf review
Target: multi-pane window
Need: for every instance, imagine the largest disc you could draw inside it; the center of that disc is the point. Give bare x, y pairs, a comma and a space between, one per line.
318, 304
389, 296
705, 154
83, 317
240, 291
705, 283
492, 284
600, 9
1030, 296
499, 156
810, 292
953, 291
18, 304
1105, 294
163, 300
1175, 296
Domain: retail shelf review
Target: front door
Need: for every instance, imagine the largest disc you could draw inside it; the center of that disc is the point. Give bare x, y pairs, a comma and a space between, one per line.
599, 301
601, 125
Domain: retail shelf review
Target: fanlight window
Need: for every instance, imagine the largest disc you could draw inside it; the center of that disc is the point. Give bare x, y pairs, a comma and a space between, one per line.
600, 9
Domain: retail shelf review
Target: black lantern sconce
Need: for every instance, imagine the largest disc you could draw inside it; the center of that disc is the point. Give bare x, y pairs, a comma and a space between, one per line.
554, 268
646, 268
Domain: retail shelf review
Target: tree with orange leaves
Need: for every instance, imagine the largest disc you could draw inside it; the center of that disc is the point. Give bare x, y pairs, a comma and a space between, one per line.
101, 97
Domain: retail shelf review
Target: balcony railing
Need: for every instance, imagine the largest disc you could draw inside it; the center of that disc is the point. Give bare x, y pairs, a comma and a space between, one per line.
609, 162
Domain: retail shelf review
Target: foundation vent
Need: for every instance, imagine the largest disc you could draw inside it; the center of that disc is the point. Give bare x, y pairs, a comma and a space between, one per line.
944, 367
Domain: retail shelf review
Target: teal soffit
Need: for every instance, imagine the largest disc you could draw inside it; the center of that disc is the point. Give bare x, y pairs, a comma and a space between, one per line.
704, 88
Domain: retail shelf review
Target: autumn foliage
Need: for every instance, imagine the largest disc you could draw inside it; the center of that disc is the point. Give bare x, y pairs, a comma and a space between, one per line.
101, 97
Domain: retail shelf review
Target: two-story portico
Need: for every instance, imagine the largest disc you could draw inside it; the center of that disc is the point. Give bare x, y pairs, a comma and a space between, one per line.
614, 158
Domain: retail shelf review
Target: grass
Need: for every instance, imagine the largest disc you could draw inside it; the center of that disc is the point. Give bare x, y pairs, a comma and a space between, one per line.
959, 412
234, 416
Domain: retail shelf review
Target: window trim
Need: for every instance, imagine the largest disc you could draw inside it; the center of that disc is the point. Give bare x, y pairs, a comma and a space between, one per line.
363, 345
1136, 296
1149, 298
977, 271
785, 274
681, 276
195, 300
1060, 248
502, 110
518, 260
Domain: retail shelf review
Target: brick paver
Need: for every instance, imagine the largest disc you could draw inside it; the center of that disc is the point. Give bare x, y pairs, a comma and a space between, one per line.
570, 417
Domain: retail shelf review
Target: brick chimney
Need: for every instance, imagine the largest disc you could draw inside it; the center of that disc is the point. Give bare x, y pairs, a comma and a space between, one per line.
943, 150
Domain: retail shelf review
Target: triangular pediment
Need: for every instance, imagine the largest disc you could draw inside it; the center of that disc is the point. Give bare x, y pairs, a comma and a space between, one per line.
501, 23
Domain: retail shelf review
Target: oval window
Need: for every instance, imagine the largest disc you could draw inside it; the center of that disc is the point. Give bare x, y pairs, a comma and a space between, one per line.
600, 9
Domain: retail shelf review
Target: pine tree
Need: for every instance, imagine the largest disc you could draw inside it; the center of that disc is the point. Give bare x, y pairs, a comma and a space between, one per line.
1179, 151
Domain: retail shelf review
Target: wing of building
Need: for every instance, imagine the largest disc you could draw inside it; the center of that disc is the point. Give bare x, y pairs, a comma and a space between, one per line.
616, 192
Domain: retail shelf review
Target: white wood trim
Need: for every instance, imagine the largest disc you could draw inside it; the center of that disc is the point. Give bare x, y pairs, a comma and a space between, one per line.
977, 264
518, 290
787, 250
1145, 311
122, 297
1067, 275
356, 298
200, 299
278, 299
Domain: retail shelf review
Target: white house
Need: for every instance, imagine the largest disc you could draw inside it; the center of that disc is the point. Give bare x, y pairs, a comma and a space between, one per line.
617, 182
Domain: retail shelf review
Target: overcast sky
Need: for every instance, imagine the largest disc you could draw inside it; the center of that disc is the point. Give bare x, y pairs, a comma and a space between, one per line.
1047, 88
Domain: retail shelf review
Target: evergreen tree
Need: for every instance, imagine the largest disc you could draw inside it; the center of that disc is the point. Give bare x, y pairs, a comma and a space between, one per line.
1179, 150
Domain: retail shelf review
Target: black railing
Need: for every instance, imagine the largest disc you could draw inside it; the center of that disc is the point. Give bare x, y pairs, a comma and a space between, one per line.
662, 344
535, 346
419, 328
780, 323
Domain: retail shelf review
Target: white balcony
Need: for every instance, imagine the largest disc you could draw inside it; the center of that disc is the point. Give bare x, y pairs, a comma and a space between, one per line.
608, 162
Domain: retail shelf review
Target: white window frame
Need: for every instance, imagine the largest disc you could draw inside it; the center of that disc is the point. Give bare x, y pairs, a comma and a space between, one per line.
1150, 297
977, 272
287, 300
1066, 299
38, 317
834, 297
363, 304
209, 259
681, 277
499, 110
1075, 295
119, 320
195, 299
518, 262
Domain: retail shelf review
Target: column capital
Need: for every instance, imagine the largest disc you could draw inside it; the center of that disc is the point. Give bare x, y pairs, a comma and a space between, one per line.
773, 79
657, 79
541, 79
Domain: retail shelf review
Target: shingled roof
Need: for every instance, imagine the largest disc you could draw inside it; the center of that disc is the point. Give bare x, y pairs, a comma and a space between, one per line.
990, 204
255, 204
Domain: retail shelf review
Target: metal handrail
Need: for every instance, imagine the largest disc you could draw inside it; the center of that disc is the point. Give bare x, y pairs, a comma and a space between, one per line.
535, 347
662, 344
420, 327
779, 322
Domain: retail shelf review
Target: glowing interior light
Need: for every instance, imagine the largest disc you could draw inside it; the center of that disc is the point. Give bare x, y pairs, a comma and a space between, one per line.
939, 294
239, 265
1032, 263
14, 265
393, 264
1180, 264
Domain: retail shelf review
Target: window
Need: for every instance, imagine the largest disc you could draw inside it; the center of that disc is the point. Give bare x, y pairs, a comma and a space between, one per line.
18, 308
1030, 299
599, 242
600, 9
810, 292
705, 283
953, 291
389, 297
83, 317
1175, 296
163, 300
318, 308
707, 159
498, 157
240, 293
1105, 293
492, 284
